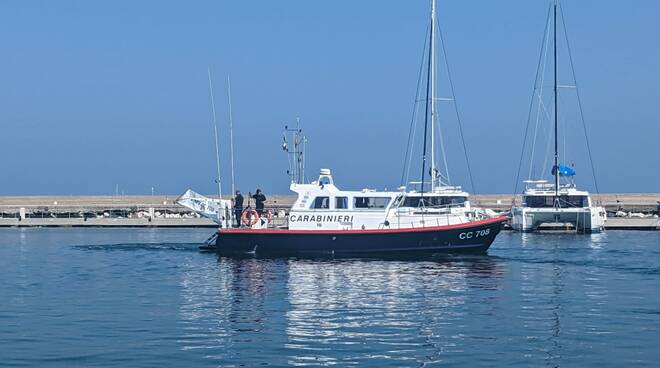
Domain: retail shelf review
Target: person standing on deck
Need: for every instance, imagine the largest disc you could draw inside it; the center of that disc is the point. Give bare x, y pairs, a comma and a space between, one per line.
259, 199
238, 207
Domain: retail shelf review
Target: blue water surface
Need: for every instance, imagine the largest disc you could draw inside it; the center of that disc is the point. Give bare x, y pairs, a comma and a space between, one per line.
148, 298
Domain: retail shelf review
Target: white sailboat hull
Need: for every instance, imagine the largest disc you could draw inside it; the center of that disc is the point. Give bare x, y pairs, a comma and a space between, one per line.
586, 219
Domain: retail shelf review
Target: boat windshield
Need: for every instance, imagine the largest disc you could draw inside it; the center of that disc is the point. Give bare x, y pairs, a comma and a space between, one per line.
565, 201
434, 201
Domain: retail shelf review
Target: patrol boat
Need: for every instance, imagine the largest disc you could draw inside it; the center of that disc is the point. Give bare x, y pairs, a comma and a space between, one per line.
558, 205
325, 220
433, 217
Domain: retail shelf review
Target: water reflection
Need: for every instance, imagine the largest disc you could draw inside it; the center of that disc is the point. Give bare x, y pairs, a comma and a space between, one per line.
115, 296
562, 284
595, 240
318, 312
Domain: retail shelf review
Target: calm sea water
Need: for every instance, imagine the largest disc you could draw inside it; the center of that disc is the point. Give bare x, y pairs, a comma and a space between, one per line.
148, 298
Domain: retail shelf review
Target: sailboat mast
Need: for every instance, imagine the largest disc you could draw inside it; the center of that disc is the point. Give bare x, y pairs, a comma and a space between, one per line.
231, 136
428, 101
217, 149
432, 102
556, 167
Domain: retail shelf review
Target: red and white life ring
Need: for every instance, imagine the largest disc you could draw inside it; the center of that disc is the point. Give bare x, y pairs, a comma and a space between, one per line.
249, 217
268, 214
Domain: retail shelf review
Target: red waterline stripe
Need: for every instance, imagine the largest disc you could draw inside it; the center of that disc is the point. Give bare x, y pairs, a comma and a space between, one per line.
370, 231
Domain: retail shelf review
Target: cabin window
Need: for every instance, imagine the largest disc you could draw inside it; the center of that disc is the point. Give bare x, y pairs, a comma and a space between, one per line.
412, 202
573, 201
321, 203
565, 201
371, 202
540, 201
341, 203
434, 201
456, 200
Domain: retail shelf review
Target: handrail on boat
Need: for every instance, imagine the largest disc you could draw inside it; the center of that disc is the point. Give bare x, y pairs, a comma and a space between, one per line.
280, 217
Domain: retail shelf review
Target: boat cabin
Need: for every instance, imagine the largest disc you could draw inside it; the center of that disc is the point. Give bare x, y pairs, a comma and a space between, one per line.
541, 194
321, 205
575, 210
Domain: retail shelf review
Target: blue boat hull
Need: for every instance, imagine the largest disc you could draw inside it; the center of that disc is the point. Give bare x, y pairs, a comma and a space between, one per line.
471, 237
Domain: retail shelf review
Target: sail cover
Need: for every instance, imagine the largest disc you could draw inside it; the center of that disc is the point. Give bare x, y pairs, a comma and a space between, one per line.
204, 206
563, 170
566, 170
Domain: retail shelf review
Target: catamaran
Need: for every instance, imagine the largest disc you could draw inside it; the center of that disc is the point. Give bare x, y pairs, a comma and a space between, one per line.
558, 204
434, 217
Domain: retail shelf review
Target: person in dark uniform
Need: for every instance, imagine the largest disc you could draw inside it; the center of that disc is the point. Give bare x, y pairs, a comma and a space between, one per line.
259, 199
238, 207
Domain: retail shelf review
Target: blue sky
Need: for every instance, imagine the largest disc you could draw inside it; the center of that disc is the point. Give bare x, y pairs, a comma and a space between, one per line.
99, 94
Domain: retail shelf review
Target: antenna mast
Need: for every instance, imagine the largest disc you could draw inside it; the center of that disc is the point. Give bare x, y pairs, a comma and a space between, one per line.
297, 156
301, 162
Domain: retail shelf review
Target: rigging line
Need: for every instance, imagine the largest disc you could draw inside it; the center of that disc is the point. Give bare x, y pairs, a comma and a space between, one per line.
413, 122
563, 121
541, 105
440, 138
529, 113
556, 163
217, 149
548, 142
458, 116
577, 92
426, 114
231, 136
410, 148
438, 134
409, 151
439, 131
542, 115
433, 79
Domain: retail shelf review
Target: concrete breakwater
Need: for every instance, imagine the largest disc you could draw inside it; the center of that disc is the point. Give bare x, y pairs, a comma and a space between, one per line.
107, 211
625, 211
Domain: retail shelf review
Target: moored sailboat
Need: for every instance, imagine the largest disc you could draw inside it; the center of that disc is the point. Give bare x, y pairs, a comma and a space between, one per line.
559, 204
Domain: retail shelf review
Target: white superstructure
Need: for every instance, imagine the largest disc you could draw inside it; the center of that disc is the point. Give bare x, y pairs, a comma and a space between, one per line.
572, 208
322, 206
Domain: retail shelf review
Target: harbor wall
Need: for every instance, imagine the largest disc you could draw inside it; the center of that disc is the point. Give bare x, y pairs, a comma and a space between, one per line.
625, 211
